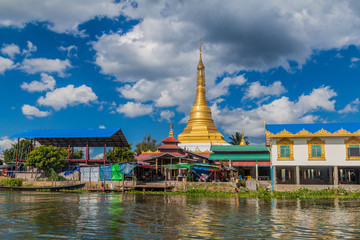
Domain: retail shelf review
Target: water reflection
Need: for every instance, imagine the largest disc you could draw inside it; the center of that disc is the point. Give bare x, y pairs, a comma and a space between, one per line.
94, 216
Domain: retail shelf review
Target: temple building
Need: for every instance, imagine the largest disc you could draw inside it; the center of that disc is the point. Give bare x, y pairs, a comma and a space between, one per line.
200, 133
170, 153
322, 154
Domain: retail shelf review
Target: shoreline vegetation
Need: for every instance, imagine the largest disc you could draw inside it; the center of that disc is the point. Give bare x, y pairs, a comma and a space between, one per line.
215, 191
302, 193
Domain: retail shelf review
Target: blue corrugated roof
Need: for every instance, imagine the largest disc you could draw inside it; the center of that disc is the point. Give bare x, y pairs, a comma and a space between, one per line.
67, 133
313, 127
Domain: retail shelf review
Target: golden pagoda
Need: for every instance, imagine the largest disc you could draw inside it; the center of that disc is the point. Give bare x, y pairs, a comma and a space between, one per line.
200, 127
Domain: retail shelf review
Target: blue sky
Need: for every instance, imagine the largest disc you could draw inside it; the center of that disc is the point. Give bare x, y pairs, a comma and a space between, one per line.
132, 64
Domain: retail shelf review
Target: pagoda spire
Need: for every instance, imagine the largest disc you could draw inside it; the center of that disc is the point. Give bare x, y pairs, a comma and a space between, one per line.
201, 127
171, 133
242, 142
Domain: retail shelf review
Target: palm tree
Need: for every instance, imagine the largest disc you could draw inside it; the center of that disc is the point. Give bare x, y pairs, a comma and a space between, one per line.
237, 137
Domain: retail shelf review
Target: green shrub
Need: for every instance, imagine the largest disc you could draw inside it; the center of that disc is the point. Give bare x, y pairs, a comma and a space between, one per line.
11, 182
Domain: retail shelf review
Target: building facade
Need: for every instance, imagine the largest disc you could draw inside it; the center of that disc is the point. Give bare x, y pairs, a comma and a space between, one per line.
314, 154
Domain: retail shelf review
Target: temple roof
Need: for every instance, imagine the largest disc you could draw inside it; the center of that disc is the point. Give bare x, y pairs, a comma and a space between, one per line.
312, 129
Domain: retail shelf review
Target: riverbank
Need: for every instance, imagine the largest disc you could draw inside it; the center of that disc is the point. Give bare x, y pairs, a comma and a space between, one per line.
262, 193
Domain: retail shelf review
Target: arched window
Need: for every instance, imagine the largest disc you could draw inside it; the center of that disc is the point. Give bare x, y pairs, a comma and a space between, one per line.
352, 148
316, 149
285, 149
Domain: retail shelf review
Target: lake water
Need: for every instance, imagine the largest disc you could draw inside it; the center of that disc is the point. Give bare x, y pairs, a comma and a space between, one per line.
38, 215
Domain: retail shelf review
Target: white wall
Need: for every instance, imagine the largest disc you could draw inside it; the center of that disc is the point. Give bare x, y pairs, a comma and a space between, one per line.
335, 153
198, 146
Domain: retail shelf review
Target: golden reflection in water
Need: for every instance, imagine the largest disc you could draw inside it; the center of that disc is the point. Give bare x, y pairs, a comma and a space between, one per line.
197, 222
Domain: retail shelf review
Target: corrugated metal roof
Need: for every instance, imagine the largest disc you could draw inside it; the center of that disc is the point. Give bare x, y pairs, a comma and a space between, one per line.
239, 157
67, 133
239, 148
313, 127
77, 137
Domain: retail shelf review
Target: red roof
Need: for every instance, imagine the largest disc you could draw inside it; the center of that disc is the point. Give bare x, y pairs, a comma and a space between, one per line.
169, 146
169, 139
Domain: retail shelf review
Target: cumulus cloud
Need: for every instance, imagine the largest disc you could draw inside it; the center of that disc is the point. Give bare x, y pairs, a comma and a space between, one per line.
46, 83
31, 111
132, 109
256, 90
354, 61
10, 50
163, 47
60, 16
167, 115
5, 143
70, 50
30, 49
352, 107
36, 65
222, 88
69, 95
6, 64
279, 111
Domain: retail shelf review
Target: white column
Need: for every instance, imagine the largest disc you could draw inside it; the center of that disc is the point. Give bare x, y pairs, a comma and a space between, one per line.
336, 176
297, 175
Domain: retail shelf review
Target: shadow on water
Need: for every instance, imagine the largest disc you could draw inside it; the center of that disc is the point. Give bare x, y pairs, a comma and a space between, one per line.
94, 216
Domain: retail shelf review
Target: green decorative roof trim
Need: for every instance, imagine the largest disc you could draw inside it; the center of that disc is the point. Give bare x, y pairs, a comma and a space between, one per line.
239, 148
239, 157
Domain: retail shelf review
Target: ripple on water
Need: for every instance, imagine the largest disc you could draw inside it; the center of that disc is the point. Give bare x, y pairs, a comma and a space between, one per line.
94, 216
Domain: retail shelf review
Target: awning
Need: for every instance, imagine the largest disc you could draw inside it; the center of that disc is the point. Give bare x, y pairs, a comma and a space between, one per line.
248, 163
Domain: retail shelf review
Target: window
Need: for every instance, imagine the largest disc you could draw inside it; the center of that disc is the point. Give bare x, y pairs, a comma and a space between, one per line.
352, 148
285, 149
353, 151
316, 149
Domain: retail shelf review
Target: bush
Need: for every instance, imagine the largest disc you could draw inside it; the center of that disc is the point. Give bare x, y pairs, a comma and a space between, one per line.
12, 182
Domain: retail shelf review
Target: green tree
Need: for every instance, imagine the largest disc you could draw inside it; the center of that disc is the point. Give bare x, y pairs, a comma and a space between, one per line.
236, 139
146, 144
24, 149
121, 154
46, 158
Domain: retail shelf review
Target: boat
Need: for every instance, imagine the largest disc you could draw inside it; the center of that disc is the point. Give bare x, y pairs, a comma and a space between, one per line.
49, 188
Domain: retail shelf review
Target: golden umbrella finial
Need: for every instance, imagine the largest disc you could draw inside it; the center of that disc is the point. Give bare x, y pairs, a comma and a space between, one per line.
242, 139
171, 134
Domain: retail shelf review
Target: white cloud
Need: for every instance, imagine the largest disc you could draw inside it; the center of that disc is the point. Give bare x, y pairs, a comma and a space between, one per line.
6, 64
36, 65
98, 156
31, 111
5, 143
222, 88
60, 16
167, 115
164, 45
102, 127
279, 111
30, 49
256, 90
131, 109
47, 83
10, 49
69, 95
352, 107
70, 50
